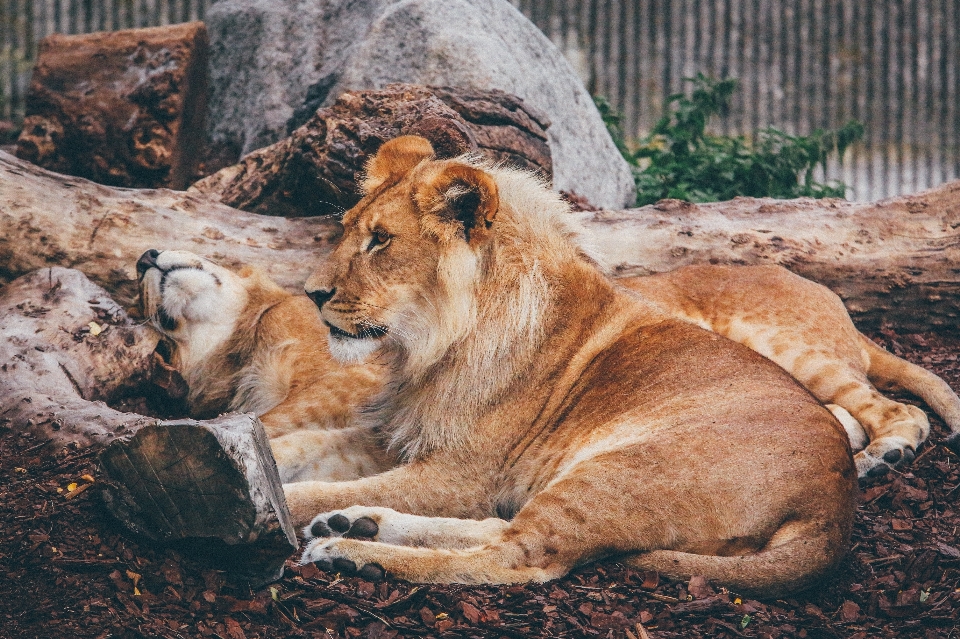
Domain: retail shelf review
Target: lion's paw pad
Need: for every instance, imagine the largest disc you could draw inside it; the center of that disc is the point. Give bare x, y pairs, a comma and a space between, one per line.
340, 525
325, 557
877, 463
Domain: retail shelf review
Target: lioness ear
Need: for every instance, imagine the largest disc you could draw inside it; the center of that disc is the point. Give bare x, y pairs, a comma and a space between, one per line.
464, 195
395, 159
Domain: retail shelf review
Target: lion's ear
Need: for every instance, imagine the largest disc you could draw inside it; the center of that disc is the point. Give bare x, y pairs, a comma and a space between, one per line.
395, 158
463, 195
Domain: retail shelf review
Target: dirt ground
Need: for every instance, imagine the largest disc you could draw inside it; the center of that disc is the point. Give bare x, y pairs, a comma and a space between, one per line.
66, 570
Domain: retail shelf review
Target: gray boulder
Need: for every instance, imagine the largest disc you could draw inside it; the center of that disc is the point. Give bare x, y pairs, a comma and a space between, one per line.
274, 62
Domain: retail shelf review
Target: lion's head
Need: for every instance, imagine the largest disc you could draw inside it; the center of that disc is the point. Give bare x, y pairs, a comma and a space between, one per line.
207, 315
430, 249
439, 274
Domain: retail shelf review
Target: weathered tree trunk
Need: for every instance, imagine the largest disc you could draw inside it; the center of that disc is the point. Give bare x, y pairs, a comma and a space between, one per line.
890, 261
207, 486
48, 219
123, 108
893, 260
67, 348
315, 171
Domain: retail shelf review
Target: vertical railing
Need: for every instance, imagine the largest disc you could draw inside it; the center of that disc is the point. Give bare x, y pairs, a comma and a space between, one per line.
802, 65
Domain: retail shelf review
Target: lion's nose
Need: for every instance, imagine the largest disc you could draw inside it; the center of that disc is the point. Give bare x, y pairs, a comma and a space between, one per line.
321, 296
147, 261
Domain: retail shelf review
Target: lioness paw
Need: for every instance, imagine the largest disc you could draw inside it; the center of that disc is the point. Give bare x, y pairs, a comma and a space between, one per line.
330, 556
356, 522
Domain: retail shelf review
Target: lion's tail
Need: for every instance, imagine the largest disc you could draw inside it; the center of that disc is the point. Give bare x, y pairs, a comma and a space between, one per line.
775, 571
889, 372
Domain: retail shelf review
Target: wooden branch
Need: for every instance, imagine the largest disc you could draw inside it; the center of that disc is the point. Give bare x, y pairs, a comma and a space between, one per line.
48, 219
208, 486
890, 261
57, 369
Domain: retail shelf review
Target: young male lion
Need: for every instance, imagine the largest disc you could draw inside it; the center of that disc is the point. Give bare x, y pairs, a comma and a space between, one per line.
546, 417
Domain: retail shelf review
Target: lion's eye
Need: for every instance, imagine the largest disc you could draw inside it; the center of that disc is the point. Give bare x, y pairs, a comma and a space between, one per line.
379, 240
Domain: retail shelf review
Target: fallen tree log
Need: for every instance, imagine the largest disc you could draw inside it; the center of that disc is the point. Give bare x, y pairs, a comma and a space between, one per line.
68, 352
893, 260
123, 108
49, 219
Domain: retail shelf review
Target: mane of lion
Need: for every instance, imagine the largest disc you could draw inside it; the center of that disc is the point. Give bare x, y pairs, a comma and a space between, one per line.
547, 417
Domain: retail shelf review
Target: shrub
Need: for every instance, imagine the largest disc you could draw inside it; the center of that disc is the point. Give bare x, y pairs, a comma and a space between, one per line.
679, 159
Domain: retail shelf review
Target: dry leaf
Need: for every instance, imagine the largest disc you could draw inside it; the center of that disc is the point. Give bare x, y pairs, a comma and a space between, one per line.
95, 329
849, 612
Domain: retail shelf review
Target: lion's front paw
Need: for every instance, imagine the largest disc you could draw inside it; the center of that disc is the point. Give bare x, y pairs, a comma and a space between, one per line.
330, 555
356, 522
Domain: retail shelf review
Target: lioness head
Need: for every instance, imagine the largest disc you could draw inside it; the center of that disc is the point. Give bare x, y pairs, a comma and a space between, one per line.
205, 313
431, 250
191, 301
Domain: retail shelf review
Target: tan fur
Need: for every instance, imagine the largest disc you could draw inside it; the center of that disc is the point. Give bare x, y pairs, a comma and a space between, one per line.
244, 344
804, 327
561, 419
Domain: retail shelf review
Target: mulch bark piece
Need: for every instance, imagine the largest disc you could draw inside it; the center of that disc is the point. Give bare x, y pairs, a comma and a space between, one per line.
66, 570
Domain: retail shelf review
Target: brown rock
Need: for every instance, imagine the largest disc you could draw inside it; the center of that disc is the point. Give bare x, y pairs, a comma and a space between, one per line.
315, 171
123, 108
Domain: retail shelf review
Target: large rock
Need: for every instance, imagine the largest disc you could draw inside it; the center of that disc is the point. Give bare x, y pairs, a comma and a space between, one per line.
273, 63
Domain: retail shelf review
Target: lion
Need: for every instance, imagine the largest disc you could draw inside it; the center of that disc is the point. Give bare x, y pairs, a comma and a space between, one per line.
544, 417
805, 328
800, 325
244, 344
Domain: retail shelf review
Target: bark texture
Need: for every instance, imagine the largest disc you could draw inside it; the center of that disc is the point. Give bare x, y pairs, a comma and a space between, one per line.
207, 486
48, 219
68, 351
66, 348
315, 170
893, 260
124, 108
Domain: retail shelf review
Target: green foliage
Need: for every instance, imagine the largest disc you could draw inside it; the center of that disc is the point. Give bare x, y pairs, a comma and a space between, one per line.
679, 159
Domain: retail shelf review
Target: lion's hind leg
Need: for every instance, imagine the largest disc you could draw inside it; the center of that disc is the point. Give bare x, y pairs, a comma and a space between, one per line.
329, 455
894, 430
